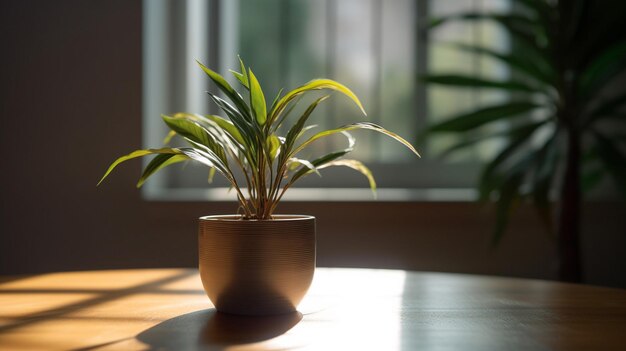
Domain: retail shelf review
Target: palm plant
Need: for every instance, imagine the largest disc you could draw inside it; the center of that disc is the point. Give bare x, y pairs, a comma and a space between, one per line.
246, 147
562, 123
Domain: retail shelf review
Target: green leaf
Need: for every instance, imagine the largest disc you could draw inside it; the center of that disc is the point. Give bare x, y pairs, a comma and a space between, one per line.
320, 161
482, 116
508, 194
306, 129
276, 99
606, 66
591, 178
508, 182
531, 32
210, 141
508, 20
211, 175
523, 129
489, 181
217, 138
539, 7
257, 99
168, 137
235, 115
273, 144
592, 39
358, 125
240, 77
227, 89
606, 108
435, 22
228, 127
188, 129
515, 61
473, 82
276, 123
218, 79
294, 161
244, 72
520, 28
243, 76
613, 159
542, 182
356, 165
208, 158
509, 189
315, 84
159, 162
246, 129
135, 154
295, 130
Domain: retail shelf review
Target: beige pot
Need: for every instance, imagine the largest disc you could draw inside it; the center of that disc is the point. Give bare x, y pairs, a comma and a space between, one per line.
256, 267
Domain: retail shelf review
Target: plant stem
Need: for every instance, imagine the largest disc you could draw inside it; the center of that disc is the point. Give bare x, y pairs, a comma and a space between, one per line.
276, 185
568, 236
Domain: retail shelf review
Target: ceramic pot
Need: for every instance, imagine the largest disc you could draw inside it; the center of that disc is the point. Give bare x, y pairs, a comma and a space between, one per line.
256, 267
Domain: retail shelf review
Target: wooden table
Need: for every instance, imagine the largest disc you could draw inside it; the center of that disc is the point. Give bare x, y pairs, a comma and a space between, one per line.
347, 309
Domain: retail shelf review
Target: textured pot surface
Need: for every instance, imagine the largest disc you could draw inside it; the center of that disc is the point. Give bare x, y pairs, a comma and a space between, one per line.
256, 267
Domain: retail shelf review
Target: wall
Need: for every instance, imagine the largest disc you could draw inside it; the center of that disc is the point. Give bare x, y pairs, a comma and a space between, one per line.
71, 102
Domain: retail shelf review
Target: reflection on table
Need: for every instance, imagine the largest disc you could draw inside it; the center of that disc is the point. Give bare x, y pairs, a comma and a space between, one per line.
348, 309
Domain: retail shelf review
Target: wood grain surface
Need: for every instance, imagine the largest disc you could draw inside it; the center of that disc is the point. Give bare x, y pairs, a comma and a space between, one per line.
346, 309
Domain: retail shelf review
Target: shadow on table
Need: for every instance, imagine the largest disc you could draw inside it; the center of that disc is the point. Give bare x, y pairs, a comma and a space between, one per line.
212, 330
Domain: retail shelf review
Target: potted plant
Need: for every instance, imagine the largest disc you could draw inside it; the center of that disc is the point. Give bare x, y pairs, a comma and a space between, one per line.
256, 262
565, 118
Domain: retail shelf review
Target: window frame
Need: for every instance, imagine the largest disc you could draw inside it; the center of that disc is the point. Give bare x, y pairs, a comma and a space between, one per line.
428, 179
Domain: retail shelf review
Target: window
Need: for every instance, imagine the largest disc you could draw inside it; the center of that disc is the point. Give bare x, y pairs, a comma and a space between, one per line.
378, 48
